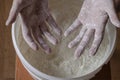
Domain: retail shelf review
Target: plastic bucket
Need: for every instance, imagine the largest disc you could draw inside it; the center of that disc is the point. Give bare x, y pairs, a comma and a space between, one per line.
38, 75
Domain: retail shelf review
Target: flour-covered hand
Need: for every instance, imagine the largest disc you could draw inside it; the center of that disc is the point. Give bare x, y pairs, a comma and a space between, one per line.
34, 17
93, 17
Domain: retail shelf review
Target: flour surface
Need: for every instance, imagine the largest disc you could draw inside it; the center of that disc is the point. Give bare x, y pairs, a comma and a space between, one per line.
61, 62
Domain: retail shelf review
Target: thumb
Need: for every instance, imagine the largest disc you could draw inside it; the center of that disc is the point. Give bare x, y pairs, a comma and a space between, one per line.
113, 17
13, 12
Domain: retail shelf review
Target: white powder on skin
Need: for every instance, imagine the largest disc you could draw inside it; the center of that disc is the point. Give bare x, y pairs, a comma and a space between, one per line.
61, 62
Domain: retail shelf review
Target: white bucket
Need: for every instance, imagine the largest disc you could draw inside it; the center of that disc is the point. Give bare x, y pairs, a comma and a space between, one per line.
38, 75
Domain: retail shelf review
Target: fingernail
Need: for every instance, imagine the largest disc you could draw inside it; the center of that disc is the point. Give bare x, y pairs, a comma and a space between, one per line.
70, 45
34, 47
91, 53
54, 42
48, 50
75, 57
7, 23
77, 54
65, 34
59, 32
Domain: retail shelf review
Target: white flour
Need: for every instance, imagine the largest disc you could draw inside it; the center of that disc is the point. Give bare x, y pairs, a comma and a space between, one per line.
61, 62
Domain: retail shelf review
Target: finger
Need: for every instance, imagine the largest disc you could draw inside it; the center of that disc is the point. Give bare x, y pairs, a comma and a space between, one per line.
78, 38
54, 25
75, 25
28, 37
40, 40
13, 12
83, 43
113, 16
47, 34
44, 45
96, 42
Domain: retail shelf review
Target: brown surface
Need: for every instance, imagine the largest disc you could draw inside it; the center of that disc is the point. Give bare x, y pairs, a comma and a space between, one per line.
21, 73
7, 53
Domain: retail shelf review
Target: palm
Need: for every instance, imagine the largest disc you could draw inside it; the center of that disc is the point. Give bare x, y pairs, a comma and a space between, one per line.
93, 16
34, 16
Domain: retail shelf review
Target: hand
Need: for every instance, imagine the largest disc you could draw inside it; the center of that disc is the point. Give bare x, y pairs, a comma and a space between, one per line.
93, 16
34, 15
